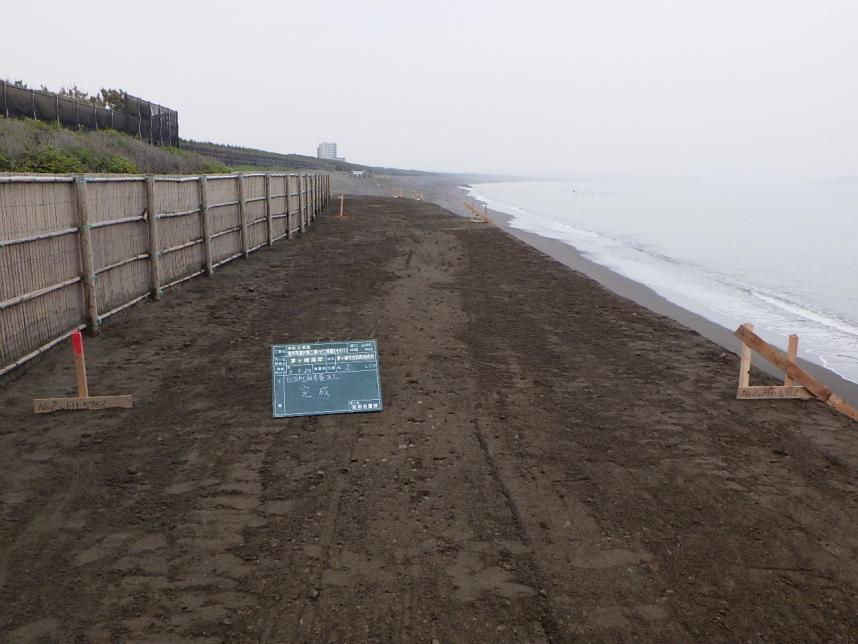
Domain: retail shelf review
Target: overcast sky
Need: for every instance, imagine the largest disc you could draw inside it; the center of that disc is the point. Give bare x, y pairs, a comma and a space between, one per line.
677, 88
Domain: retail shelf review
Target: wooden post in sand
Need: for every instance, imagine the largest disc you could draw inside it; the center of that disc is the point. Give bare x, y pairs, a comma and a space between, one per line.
342, 198
79, 365
792, 352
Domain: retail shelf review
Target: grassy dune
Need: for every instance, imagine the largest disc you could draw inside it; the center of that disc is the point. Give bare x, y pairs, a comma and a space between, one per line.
27, 145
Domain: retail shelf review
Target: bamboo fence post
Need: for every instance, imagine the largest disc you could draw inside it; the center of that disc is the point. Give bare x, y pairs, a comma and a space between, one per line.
86, 261
300, 207
307, 196
311, 201
268, 214
311, 187
307, 216
154, 244
242, 215
206, 223
288, 218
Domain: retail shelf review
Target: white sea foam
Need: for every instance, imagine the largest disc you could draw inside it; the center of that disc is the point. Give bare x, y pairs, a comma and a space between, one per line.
729, 255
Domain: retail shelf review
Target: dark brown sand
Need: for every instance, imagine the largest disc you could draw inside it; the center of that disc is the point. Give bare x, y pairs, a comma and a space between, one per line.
554, 463
445, 190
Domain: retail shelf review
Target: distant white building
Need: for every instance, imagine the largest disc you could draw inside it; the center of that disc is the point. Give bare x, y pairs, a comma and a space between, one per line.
327, 151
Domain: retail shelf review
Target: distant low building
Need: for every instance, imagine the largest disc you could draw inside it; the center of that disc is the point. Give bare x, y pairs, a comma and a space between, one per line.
327, 151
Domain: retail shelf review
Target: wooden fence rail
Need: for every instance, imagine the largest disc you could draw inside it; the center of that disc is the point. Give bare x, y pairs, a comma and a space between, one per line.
76, 250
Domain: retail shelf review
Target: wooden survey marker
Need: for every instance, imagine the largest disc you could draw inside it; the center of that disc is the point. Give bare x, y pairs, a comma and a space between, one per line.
325, 378
808, 385
83, 401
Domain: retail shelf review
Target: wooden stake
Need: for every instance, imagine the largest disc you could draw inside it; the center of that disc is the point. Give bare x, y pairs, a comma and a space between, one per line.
792, 352
342, 198
79, 365
745, 365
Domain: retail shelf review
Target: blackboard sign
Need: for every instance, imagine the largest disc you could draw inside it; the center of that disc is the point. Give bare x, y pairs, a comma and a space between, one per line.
325, 378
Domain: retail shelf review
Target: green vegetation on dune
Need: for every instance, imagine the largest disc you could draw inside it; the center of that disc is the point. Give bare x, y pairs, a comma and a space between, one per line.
31, 146
27, 145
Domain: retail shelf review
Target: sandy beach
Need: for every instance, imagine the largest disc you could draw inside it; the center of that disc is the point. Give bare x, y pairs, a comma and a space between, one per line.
445, 190
553, 463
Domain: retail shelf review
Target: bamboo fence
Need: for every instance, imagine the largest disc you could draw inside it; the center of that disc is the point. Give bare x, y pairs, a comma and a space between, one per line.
76, 250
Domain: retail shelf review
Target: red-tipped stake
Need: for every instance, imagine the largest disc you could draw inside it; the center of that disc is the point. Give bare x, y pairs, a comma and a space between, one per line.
79, 365
83, 400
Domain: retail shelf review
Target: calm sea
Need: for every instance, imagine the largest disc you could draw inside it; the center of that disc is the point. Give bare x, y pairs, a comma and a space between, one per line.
783, 258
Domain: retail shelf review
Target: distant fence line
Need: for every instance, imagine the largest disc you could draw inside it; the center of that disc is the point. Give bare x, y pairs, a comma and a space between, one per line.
76, 250
237, 156
144, 119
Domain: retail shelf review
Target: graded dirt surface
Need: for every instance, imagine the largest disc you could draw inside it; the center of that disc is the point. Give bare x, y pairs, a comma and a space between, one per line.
553, 464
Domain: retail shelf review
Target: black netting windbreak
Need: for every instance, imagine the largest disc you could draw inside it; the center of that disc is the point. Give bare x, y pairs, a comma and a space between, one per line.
148, 121
104, 118
88, 117
69, 116
46, 106
19, 101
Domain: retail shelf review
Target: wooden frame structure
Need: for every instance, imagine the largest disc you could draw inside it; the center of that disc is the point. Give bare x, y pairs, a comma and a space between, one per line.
478, 216
807, 387
83, 401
